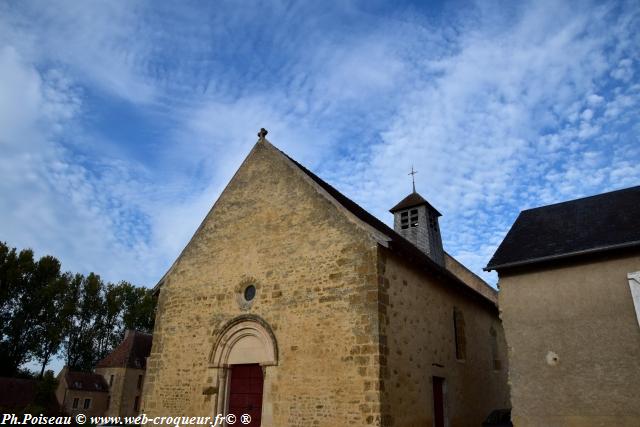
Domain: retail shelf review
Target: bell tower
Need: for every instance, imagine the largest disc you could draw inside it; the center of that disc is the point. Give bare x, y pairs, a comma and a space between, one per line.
417, 221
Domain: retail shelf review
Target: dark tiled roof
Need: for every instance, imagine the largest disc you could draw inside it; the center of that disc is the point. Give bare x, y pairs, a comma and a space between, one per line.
85, 381
592, 224
413, 199
398, 244
131, 353
17, 393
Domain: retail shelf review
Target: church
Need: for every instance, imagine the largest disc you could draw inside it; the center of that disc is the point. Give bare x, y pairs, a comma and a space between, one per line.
294, 305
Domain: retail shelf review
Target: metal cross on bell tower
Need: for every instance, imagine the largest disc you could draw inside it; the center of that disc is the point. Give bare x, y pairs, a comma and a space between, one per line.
413, 178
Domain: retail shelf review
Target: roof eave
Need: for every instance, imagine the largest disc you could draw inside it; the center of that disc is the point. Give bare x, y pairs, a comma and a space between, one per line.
538, 260
394, 210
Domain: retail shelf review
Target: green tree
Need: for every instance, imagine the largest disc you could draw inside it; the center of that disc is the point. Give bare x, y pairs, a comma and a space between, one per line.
14, 269
109, 328
57, 308
44, 312
81, 336
139, 308
24, 282
45, 399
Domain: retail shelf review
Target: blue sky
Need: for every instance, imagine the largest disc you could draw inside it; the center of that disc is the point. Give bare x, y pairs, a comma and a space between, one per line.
122, 121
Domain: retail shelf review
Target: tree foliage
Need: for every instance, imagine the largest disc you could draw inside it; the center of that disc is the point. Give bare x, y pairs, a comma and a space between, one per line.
45, 312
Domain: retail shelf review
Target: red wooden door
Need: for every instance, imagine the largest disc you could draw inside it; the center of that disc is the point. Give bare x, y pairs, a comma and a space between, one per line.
438, 402
245, 393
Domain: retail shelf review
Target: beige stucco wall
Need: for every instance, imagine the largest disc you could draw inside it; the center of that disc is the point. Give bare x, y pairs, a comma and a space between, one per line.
574, 344
420, 339
65, 398
315, 273
123, 391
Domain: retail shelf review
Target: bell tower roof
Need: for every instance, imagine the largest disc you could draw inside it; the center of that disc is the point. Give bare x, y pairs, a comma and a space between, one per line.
412, 200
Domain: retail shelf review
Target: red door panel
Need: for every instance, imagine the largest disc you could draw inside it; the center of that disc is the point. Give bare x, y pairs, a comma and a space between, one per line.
438, 402
245, 395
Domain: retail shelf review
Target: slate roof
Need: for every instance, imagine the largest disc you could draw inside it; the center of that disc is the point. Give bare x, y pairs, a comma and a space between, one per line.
398, 244
413, 199
131, 353
577, 227
85, 381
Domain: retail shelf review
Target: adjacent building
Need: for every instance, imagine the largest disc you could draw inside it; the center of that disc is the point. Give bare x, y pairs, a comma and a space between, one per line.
123, 370
115, 388
82, 393
570, 303
296, 306
17, 394
27, 395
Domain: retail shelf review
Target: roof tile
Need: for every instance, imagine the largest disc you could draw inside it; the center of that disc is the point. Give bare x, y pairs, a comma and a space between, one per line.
131, 353
591, 224
86, 381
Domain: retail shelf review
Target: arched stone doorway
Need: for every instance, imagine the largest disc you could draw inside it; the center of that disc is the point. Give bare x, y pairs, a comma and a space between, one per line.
241, 346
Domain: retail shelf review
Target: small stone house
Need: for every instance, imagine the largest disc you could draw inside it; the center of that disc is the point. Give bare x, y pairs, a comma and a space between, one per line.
294, 305
123, 370
82, 393
570, 303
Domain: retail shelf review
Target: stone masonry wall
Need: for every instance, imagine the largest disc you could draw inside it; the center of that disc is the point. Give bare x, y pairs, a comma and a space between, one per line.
417, 321
115, 388
315, 274
131, 390
123, 391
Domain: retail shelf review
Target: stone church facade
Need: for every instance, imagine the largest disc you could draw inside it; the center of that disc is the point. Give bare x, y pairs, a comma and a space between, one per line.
294, 305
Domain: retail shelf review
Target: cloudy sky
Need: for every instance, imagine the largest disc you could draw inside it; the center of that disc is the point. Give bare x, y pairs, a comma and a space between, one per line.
122, 121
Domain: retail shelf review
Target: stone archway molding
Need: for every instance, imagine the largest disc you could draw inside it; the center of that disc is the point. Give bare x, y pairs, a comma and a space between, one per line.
245, 339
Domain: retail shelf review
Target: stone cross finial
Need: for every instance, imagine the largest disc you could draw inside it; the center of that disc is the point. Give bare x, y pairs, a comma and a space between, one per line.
263, 132
413, 178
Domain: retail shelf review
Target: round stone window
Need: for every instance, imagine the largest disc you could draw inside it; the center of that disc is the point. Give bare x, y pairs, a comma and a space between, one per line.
249, 292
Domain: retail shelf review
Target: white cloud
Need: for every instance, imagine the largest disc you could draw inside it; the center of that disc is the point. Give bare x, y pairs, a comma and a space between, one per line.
489, 135
594, 99
497, 111
92, 40
53, 203
19, 86
624, 71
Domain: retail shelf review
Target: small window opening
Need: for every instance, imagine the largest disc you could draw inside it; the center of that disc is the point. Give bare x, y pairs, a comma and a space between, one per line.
136, 404
414, 217
139, 382
497, 363
76, 401
111, 381
458, 328
87, 404
249, 292
404, 220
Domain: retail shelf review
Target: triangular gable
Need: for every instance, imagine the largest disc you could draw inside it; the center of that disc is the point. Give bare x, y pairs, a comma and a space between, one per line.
376, 229
325, 190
